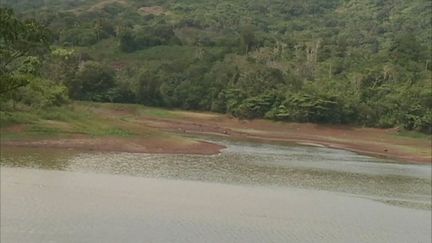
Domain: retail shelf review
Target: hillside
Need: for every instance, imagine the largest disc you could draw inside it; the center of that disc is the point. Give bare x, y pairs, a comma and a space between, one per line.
364, 62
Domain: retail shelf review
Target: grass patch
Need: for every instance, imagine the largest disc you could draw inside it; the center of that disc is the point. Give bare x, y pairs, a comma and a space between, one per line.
34, 131
12, 118
5, 136
43, 130
64, 113
114, 131
130, 110
156, 112
39, 131
414, 134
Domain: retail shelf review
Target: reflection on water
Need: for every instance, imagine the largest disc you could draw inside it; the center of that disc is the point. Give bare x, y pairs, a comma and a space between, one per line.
253, 164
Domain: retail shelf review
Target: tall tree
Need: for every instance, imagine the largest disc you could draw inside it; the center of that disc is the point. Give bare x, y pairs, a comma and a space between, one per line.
22, 44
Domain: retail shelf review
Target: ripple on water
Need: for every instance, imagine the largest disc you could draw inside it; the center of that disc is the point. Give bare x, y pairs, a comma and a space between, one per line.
253, 164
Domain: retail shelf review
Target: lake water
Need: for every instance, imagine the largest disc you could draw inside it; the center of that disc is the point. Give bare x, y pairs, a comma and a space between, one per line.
249, 193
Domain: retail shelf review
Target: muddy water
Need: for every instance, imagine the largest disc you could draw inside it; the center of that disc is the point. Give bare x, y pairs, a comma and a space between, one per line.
249, 193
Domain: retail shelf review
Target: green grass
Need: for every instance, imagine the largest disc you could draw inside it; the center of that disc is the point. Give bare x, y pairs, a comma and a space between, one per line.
156, 112
65, 113
82, 118
132, 109
414, 134
11, 118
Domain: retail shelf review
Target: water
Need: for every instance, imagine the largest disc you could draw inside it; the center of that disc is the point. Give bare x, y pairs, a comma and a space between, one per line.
249, 193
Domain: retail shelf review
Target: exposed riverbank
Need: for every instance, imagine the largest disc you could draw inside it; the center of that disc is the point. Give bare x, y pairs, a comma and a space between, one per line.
135, 128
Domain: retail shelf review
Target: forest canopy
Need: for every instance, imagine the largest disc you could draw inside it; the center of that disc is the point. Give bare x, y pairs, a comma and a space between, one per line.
363, 62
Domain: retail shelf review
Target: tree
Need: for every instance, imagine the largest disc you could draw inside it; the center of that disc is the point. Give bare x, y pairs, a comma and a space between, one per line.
149, 88
93, 81
22, 44
247, 38
127, 41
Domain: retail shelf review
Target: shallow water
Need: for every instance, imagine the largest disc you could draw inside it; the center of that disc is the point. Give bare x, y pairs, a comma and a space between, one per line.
249, 193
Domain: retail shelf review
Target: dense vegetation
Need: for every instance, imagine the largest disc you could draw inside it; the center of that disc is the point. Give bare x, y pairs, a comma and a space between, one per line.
365, 62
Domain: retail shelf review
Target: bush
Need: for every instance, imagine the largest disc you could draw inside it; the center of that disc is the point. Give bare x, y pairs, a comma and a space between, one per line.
94, 81
39, 93
9, 118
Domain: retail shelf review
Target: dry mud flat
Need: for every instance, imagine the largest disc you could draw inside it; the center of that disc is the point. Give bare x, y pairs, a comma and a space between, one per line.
371, 141
130, 145
169, 131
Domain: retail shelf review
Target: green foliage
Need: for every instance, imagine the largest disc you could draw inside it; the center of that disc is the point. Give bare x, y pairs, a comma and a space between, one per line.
127, 41
362, 62
255, 107
79, 37
41, 93
10, 118
22, 44
22, 48
94, 82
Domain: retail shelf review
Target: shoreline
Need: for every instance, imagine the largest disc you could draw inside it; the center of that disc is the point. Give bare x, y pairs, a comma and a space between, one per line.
114, 144
140, 129
119, 145
398, 157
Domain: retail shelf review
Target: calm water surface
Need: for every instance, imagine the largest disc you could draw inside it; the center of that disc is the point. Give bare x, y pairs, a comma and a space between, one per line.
249, 193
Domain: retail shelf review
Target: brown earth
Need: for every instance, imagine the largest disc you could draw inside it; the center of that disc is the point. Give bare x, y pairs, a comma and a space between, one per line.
155, 10
168, 130
122, 145
102, 4
375, 142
